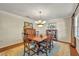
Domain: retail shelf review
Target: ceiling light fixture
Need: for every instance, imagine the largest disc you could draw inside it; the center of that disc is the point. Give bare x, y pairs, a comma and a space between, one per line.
40, 22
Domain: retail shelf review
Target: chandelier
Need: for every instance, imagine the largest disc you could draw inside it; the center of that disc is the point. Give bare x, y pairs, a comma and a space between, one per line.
40, 22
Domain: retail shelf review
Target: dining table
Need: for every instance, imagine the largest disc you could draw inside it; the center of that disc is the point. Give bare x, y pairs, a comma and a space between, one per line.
39, 38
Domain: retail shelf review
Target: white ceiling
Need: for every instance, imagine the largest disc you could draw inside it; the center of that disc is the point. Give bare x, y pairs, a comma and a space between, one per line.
49, 11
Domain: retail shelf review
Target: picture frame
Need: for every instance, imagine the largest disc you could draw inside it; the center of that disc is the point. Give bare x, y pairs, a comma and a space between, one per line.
28, 25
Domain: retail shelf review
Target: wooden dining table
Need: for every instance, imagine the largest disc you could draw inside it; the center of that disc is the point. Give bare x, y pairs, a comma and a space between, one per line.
38, 38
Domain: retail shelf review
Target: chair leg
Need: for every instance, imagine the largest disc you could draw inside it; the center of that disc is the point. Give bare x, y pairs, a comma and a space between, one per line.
46, 53
52, 44
49, 48
28, 52
38, 52
24, 54
24, 51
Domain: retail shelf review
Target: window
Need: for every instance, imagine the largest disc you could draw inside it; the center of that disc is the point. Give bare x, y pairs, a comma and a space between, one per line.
51, 25
77, 26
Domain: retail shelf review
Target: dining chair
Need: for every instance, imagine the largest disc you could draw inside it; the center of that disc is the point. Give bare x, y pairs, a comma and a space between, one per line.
45, 45
50, 36
29, 46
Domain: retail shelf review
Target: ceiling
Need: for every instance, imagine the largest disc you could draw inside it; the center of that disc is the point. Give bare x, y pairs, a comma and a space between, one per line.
49, 11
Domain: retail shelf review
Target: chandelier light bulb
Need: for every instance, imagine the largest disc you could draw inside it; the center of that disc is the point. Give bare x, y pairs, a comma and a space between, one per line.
39, 21
40, 25
43, 22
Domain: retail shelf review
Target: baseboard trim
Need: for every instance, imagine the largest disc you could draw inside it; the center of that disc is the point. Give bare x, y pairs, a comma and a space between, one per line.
62, 42
10, 47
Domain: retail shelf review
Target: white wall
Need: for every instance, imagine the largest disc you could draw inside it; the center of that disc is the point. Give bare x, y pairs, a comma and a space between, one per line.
11, 28
68, 24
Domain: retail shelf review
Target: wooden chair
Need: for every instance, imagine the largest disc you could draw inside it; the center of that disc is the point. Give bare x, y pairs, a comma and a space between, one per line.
52, 34
29, 46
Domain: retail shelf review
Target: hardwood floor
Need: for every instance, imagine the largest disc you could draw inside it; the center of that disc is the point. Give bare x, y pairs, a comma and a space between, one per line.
73, 51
